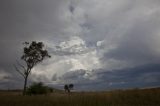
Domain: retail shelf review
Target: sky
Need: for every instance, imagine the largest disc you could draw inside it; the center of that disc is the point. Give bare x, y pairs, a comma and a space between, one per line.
94, 44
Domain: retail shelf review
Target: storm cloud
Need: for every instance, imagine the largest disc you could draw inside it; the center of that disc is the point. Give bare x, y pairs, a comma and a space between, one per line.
95, 44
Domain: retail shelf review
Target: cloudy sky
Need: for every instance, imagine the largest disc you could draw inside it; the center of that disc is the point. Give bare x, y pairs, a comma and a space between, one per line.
94, 44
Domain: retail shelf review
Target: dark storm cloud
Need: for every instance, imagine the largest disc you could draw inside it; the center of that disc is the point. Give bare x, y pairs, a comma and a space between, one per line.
137, 77
137, 44
73, 76
141, 74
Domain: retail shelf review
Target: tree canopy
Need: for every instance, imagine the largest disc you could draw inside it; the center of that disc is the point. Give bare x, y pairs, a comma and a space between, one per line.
33, 53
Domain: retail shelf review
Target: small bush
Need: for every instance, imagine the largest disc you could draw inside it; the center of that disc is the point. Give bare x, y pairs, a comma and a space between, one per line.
37, 89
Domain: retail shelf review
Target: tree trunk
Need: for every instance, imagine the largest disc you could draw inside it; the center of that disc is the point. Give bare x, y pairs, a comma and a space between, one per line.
25, 85
68, 90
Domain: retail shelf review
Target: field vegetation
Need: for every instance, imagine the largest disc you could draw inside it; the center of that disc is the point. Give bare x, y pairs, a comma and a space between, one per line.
134, 97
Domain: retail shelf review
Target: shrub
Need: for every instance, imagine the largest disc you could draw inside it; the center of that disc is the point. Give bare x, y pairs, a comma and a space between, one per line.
38, 88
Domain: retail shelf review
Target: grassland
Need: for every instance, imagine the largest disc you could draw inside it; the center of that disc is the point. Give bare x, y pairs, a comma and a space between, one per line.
136, 97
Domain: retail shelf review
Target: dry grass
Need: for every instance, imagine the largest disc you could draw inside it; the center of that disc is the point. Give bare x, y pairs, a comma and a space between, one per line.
147, 97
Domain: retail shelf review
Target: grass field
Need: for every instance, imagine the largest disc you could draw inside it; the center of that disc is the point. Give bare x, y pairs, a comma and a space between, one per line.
145, 97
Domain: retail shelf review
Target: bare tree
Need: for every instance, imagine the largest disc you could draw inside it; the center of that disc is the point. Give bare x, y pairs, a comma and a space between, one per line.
33, 53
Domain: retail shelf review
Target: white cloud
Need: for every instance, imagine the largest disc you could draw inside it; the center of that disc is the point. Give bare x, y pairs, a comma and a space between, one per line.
80, 57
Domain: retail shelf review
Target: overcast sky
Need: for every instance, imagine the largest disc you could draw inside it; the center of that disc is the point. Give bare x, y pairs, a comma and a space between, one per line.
94, 44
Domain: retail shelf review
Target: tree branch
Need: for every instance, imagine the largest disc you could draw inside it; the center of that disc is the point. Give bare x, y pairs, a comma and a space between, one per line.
21, 65
19, 71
